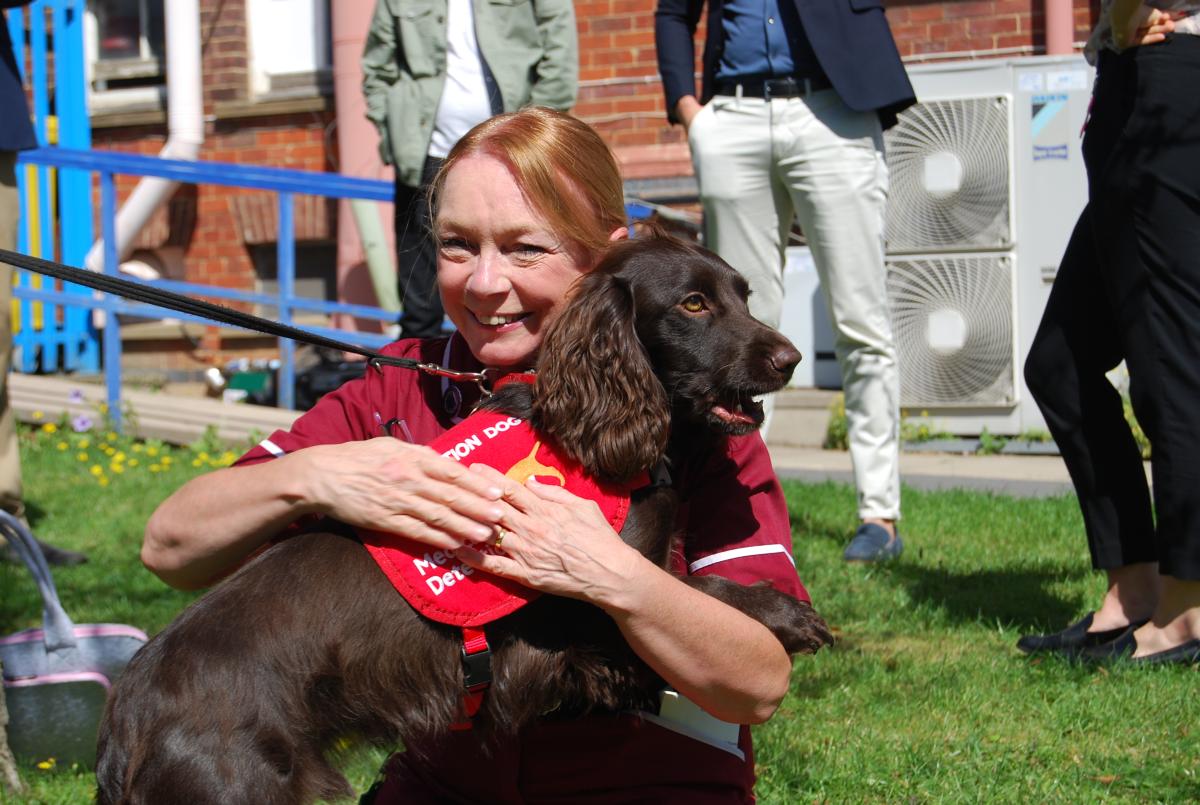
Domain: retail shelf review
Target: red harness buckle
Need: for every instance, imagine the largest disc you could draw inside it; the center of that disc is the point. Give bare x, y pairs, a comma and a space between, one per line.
477, 673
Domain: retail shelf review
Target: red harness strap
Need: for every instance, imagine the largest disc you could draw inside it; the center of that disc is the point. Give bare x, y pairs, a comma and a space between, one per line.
477, 673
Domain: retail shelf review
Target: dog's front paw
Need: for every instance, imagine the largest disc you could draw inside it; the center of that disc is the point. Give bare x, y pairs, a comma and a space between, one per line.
805, 632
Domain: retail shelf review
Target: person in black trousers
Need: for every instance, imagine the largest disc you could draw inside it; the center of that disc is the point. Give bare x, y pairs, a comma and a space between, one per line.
1129, 288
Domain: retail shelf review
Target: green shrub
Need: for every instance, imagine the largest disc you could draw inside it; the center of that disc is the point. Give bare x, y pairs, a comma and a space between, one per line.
836, 433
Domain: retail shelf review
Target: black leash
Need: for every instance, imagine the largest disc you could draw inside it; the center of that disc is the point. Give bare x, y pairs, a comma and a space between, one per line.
144, 292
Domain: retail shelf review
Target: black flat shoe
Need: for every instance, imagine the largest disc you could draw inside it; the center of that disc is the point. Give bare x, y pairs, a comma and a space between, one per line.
1121, 650
1072, 640
55, 556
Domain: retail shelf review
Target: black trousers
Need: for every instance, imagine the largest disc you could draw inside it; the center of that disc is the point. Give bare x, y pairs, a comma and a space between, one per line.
416, 258
1129, 288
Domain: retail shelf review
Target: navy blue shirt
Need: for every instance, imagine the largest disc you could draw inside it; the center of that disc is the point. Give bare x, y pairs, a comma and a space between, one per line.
16, 132
765, 39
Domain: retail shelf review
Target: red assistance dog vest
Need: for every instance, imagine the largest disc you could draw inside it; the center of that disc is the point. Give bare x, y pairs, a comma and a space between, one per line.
440, 586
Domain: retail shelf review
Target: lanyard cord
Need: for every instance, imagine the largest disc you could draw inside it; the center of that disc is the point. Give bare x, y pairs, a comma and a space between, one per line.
144, 292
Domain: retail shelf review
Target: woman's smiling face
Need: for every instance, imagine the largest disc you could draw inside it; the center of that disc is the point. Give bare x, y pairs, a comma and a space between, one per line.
503, 274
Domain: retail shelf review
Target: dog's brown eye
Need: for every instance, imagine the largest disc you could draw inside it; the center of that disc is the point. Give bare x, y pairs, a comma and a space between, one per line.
694, 304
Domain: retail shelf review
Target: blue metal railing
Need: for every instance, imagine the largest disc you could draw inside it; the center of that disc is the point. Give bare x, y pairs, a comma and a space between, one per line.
285, 183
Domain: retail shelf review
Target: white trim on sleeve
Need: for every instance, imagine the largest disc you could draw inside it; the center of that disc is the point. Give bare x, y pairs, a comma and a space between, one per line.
272, 448
738, 553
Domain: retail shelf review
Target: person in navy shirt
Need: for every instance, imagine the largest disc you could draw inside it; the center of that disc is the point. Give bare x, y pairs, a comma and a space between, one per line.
789, 123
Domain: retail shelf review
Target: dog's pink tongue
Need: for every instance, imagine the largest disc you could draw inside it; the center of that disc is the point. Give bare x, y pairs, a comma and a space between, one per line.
725, 415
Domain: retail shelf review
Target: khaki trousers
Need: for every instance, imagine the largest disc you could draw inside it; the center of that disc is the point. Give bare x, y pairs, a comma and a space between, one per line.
760, 164
10, 459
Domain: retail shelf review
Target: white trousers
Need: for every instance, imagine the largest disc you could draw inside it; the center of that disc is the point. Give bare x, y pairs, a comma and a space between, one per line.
762, 163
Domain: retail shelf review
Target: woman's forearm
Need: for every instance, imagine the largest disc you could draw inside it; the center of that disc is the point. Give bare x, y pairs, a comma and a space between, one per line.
211, 524
215, 521
724, 661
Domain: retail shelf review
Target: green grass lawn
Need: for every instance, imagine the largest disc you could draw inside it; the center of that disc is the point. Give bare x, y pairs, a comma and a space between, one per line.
924, 698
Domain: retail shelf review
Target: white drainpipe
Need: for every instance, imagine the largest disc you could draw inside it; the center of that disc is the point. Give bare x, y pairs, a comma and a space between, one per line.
185, 133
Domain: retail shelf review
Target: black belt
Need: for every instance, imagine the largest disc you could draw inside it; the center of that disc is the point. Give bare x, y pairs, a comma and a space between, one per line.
769, 88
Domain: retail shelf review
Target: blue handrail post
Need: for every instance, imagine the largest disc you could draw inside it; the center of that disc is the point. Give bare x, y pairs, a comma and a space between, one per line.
50, 339
112, 328
286, 259
25, 342
80, 348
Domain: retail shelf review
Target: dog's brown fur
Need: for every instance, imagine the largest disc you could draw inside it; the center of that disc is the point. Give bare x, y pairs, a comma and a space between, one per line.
240, 698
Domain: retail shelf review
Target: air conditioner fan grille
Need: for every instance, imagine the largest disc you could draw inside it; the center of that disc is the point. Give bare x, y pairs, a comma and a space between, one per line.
949, 173
953, 323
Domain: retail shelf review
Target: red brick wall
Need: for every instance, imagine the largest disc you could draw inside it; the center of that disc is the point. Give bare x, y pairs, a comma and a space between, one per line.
975, 25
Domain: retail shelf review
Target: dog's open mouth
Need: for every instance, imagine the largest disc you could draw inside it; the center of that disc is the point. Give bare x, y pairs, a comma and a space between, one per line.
739, 412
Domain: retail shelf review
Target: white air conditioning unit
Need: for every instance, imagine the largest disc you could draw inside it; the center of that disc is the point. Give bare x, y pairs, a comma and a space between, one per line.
987, 181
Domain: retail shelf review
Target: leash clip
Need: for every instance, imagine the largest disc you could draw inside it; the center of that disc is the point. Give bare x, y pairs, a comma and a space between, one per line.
480, 379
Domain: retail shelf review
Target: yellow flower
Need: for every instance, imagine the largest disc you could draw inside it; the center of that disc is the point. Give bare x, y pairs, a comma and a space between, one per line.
38, 415
62, 445
196, 462
156, 468
81, 456
133, 462
102, 407
102, 480
47, 764
117, 467
50, 427
110, 436
152, 451
97, 470
137, 447
166, 460
84, 442
202, 456
120, 456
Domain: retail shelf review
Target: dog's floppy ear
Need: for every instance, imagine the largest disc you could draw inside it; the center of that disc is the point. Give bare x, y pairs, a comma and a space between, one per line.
596, 392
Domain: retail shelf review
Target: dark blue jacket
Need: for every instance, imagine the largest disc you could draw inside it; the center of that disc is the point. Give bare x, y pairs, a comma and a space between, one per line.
16, 132
851, 38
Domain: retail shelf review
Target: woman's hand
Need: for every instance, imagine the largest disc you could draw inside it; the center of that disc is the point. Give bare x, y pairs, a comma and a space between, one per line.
558, 543
721, 659
1135, 24
408, 489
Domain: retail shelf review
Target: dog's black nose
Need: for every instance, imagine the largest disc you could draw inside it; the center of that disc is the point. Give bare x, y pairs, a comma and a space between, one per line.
784, 360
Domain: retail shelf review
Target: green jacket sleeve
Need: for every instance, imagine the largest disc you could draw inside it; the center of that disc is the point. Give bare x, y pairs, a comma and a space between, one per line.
380, 72
558, 71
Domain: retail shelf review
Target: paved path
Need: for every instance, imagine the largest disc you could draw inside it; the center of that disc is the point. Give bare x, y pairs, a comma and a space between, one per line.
1019, 476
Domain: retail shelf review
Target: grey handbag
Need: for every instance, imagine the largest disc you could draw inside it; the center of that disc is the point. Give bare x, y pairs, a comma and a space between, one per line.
56, 678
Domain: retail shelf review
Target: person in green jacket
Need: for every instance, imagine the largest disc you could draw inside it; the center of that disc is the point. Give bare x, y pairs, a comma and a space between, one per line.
432, 69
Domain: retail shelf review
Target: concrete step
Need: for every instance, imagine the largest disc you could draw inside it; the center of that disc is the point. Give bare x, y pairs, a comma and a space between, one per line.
173, 418
800, 418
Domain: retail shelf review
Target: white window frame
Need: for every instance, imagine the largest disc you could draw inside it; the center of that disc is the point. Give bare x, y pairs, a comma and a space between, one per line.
144, 66
289, 44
